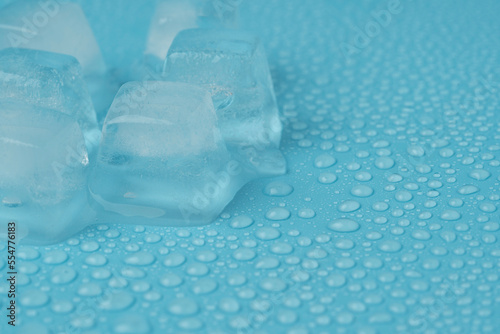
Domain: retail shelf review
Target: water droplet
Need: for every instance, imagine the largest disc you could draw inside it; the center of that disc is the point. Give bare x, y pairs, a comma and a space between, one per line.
343, 225
278, 188
468, 189
33, 298
450, 215
174, 260
241, 222
116, 301
63, 275
324, 161
183, 307
140, 259
273, 284
244, 254
267, 233
361, 191
171, 280
278, 214
480, 174
327, 178
349, 206
390, 246
384, 163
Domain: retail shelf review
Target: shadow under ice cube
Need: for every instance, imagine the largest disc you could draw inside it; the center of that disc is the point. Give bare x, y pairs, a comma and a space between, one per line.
233, 66
162, 157
43, 173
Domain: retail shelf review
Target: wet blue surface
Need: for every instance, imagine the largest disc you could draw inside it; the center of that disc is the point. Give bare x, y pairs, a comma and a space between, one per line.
387, 221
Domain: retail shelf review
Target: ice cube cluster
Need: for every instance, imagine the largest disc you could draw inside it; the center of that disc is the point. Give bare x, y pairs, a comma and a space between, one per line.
173, 151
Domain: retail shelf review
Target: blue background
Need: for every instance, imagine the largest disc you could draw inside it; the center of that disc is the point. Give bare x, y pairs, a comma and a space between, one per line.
410, 114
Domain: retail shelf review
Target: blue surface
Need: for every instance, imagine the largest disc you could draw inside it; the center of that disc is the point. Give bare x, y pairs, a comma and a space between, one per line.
388, 218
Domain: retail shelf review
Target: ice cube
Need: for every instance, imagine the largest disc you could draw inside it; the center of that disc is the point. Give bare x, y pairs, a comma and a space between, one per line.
163, 158
51, 25
43, 172
233, 66
49, 80
172, 16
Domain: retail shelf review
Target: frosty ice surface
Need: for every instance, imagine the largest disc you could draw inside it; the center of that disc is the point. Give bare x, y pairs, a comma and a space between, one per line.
172, 16
162, 156
49, 80
54, 26
232, 65
43, 172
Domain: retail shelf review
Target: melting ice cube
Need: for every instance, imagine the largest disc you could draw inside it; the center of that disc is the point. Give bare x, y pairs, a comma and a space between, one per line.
162, 156
43, 174
233, 66
49, 80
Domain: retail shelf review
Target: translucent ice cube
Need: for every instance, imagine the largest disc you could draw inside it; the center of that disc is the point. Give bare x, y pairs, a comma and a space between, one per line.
233, 66
162, 156
43, 172
172, 16
49, 80
51, 25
